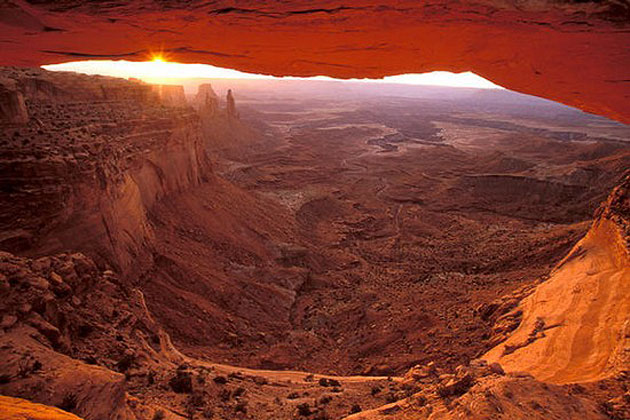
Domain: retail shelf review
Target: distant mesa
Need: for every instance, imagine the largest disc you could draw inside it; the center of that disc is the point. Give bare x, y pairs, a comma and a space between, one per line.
206, 101
171, 95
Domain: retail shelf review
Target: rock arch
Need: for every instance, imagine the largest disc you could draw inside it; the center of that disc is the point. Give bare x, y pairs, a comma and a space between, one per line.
571, 51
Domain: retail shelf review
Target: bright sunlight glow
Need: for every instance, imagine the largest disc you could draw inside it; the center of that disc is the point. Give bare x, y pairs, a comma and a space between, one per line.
163, 72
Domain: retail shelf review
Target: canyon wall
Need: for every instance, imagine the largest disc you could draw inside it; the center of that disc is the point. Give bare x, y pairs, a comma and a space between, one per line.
576, 326
171, 95
93, 158
206, 101
85, 162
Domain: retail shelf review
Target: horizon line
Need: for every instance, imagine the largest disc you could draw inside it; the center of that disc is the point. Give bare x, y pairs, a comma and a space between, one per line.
158, 71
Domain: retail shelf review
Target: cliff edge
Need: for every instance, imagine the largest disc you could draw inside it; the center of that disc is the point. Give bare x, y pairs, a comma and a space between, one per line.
576, 326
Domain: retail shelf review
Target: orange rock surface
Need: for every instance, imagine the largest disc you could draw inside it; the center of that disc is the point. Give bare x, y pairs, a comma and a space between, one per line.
19, 409
576, 326
572, 52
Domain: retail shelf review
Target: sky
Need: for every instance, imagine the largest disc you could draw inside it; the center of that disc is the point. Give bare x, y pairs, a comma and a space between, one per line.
160, 71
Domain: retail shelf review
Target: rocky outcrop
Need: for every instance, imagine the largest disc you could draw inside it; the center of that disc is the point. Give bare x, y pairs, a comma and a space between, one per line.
171, 95
12, 107
481, 391
583, 63
19, 409
94, 158
206, 101
73, 335
576, 325
80, 339
230, 105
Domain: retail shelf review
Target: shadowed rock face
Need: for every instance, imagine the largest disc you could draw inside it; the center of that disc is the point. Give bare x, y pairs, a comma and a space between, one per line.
12, 106
574, 52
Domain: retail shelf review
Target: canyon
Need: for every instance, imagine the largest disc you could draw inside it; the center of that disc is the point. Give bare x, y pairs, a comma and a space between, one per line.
311, 250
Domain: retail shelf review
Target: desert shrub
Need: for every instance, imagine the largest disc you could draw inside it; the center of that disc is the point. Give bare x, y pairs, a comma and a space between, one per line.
221, 380
356, 408
304, 409
241, 407
68, 403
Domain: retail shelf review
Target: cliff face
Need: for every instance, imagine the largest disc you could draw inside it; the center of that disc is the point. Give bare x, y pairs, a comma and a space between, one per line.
94, 157
206, 101
576, 326
171, 95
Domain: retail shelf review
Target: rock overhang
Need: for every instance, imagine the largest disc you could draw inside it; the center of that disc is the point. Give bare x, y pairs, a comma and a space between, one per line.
574, 52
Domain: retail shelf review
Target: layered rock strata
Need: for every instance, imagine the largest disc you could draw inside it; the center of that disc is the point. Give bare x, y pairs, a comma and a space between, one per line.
576, 325
94, 157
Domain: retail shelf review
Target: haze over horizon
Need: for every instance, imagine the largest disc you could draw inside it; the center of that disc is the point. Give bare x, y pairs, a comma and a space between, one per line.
164, 72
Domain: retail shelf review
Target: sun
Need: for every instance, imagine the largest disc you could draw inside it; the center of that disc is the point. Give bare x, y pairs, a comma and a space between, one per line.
158, 69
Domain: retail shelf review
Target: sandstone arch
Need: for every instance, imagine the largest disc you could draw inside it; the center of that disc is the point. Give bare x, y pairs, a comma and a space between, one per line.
575, 52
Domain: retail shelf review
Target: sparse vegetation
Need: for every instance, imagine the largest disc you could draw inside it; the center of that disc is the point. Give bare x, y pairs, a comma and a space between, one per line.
241, 406
221, 380
68, 403
304, 409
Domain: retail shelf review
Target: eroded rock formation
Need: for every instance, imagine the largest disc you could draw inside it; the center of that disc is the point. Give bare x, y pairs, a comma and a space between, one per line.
71, 332
80, 337
206, 101
230, 106
171, 95
576, 325
572, 52
481, 391
20, 409
95, 156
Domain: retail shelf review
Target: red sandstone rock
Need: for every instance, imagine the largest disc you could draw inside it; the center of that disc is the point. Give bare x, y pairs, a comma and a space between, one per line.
19, 409
572, 52
206, 101
574, 326
101, 152
171, 95
12, 107
231, 105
